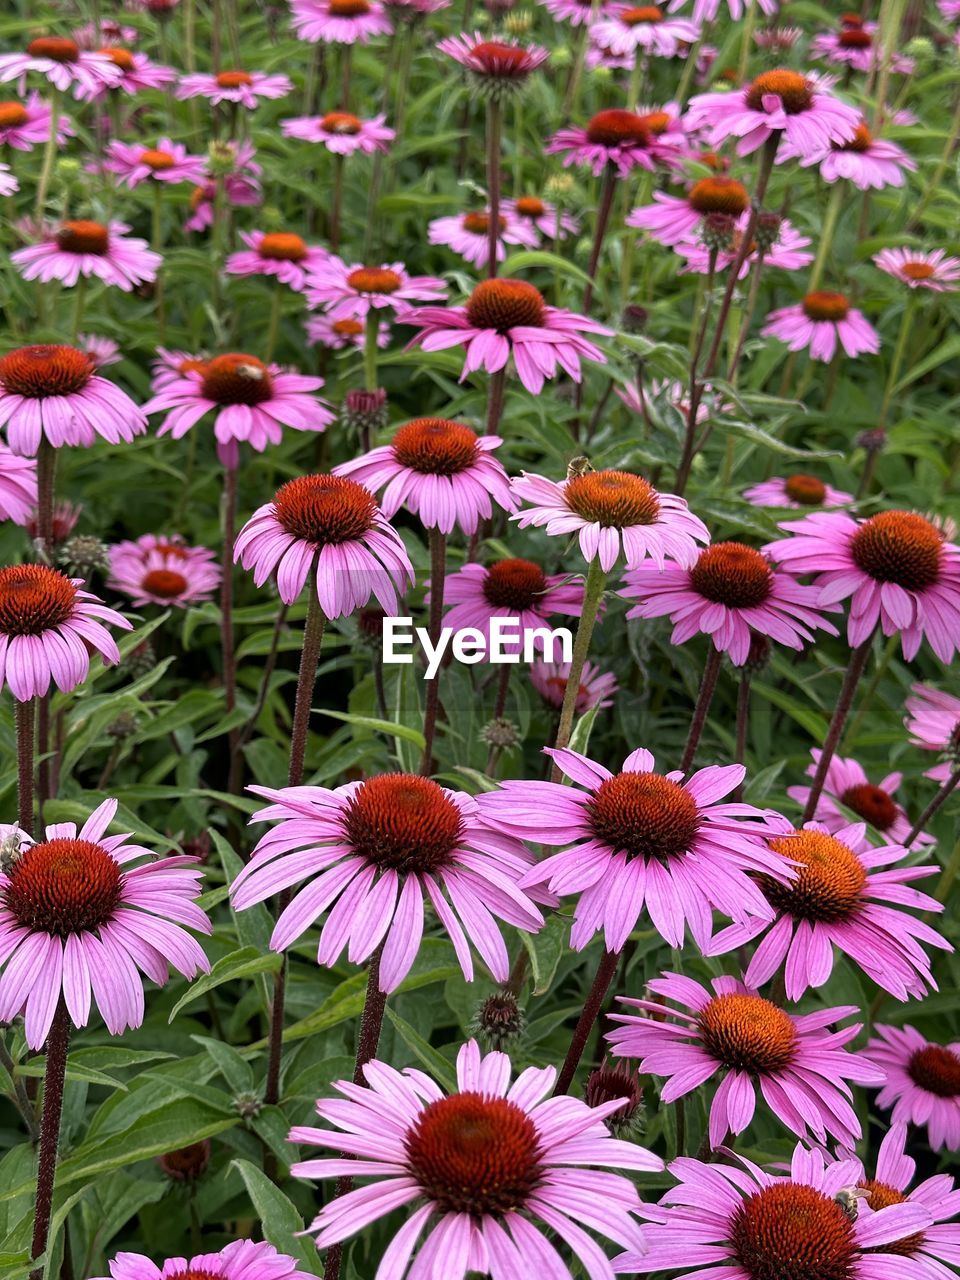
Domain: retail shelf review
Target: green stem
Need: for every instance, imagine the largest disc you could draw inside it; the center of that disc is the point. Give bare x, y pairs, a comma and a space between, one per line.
897, 358
826, 235
49, 154
946, 789
494, 129
370, 337
746, 39
592, 595
936, 178
157, 241
273, 327
708, 684
79, 298
858, 659
867, 700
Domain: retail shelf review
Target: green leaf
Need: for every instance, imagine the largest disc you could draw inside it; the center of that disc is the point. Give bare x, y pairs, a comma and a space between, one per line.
814, 723
545, 950
435, 1063
244, 963
406, 732
279, 1217
526, 258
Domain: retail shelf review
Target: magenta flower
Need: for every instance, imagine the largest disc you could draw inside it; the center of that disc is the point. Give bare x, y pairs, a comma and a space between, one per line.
847, 783
642, 30
933, 721
171, 366
788, 250
239, 1260
102, 351
613, 513
596, 688
137, 73
89, 249
76, 921
922, 1085
864, 160
110, 33
579, 13
797, 491
253, 402
821, 321
244, 88
338, 334
502, 1173
620, 138
854, 45
801, 1069
504, 318
63, 63
469, 235
705, 11
730, 593
56, 393
8, 183
334, 524
167, 162
25, 125
897, 568
341, 133
642, 839
440, 470
281, 254
351, 290
919, 270
339, 21
517, 589
18, 486
163, 571
738, 1222
950, 9
494, 65
551, 222
374, 853
799, 109
671, 219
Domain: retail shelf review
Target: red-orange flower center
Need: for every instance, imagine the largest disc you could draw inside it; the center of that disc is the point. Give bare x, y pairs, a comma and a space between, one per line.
793, 1232
614, 499
12, 115
530, 207
121, 58
435, 446
83, 236
347, 328
790, 87
45, 370
493, 58
349, 8
807, 490
900, 547
936, 1069
506, 304
56, 48
642, 13
476, 1155
823, 305
374, 280
157, 160
873, 804
618, 128
341, 122
234, 79
881, 1196
644, 815
34, 598
401, 822
236, 378
657, 122
861, 141
719, 194
830, 878
325, 509
732, 574
748, 1033
283, 246
918, 270
854, 38
514, 584
194, 1273
165, 583
63, 886
479, 223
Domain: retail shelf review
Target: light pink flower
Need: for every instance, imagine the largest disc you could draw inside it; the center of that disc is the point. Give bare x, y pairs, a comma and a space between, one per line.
374, 853
671, 219
504, 318
137, 73
171, 366
18, 486
639, 840
110, 33
642, 30
933, 721
788, 252
339, 21
55, 392
920, 270
615, 137
866, 161
800, 1067
469, 235
163, 571
341, 133
579, 13
281, 254
239, 1260
854, 45
63, 63
922, 1086
332, 526
8, 183
819, 323
596, 688
705, 11
25, 125
502, 1173
351, 290
799, 491
167, 162
504, 63
950, 9
896, 567
90, 249
102, 351
245, 88
542, 215
338, 334
847, 783
517, 589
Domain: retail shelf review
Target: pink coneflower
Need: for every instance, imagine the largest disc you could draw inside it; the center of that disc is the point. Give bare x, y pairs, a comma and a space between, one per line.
643, 30
109, 33
504, 318
374, 853
341, 133
896, 567
163, 571
923, 1083
821, 321
579, 13
63, 63
784, 247
854, 45
843, 897
639, 839
621, 138
241, 187
48, 627
494, 65
282, 254
595, 689
542, 215
469, 235
171, 366
440, 470
613, 513
102, 351
90, 249
65, 518
676, 394
77, 922
339, 21
413, 11
866, 161
920, 270
167, 162
25, 125
245, 88
334, 524
798, 491
137, 73
239, 1260
253, 402
8, 183
338, 334
797, 108
739, 1222
599, 55
801, 1069
847, 782
18, 486
933, 721
351, 290
671, 219
55, 392
778, 39
509, 589
705, 11
493, 1169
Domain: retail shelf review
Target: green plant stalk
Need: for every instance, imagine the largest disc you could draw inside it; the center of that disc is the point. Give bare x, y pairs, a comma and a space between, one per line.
370, 335
273, 326
592, 595
858, 659
826, 236
936, 178
24, 718
494, 131
49, 154
896, 360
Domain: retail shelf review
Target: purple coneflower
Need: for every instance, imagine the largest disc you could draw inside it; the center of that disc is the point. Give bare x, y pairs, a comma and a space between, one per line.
934, 724
243, 88
63, 63
163, 571
922, 1085
18, 486
468, 234
846, 783
25, 125
239, 1260
932, 270
798, 491
642, 30
339, 21
344, 289
820, 323
90, 249
341, 133
281, 254
509, 589
167, 162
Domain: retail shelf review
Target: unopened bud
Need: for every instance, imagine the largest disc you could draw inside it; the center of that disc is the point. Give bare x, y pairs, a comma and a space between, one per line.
499, 1020
717, 231
125, 726
634, 319
83, 556
365, 410
186, 1164
767, 231
606, 1083
501, 734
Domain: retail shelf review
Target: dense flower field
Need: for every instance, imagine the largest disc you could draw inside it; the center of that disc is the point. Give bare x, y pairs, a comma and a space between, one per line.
479, 607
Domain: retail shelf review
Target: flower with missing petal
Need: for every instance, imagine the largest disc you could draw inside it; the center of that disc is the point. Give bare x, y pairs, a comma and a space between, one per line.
847, 784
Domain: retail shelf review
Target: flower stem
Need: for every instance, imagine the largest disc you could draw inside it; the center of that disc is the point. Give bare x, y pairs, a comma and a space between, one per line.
57, 1041
858, 659
936, 178
743, 725
495, 401
157, 244
592, 595
226, 591
24, 715
830, 219
588, 1016
370, 336
500, 706
608, 186
337, 202
438, 568
273, 327
46, 479
896, 360
707, 686
933, 807
494, 128
49, 154
79, 298
746, 38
